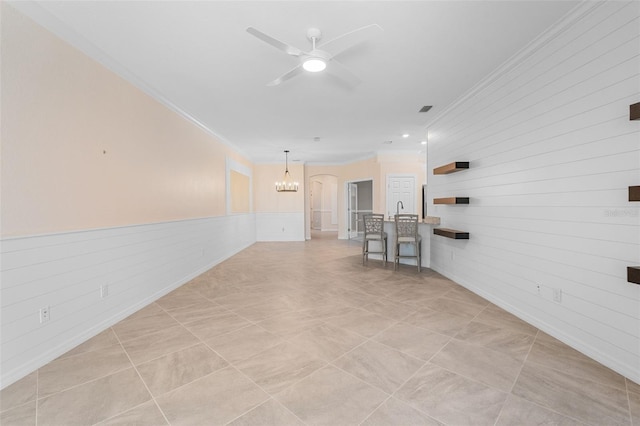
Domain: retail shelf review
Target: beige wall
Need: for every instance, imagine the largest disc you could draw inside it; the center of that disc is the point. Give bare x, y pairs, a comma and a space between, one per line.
82, 148
266, 199
376, 168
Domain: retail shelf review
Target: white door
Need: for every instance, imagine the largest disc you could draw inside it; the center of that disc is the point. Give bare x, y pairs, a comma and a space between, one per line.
401, 189
353, 210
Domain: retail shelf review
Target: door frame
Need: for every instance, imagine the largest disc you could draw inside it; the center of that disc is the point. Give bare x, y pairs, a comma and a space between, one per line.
347, 228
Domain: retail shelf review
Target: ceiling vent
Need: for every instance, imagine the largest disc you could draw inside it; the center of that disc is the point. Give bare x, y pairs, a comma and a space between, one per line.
425, 108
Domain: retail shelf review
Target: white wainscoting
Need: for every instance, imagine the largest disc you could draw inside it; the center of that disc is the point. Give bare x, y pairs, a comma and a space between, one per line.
552, 152
280, 226
65, 271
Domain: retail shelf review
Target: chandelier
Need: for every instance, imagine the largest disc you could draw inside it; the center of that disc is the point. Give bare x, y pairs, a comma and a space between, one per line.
287, 184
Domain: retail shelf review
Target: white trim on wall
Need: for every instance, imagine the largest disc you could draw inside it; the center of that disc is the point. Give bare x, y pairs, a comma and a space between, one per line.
231, 164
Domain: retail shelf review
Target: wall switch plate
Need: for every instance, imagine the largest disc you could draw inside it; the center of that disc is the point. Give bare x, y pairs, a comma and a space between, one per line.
45, 314
104, 291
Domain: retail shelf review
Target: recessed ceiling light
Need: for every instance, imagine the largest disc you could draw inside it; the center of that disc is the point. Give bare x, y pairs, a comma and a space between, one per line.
423, 142
405, 135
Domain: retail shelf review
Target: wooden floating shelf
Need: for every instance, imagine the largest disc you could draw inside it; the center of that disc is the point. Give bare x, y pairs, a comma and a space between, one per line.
451, 168
634, 111
451, 233
633, 274
451, 200
634, 193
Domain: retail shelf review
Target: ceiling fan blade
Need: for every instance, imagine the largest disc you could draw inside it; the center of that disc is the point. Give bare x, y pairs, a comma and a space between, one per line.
287, 76
345, 41
338, 70
289, 50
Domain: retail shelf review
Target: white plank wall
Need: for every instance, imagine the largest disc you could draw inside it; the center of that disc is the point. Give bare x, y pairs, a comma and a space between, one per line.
65, 271
280, 226
552, 152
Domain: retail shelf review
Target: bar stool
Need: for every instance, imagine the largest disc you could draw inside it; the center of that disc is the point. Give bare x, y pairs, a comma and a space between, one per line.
407, 233
374, 231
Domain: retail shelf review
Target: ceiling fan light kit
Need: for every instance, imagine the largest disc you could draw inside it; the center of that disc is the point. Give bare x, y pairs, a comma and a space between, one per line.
314, 65
318, 58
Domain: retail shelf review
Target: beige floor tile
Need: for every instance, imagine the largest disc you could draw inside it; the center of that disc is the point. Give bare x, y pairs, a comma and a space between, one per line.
440, 322
20, 392
497, 317
517, 411
363, 322
216, 325
390, 309
505, 340
239, 299
93, 401
451, 398
271, 413
147, 414
67, 372
154, 345
179, 298
148, 310
214, 399
490, 367
413, 340
452, 306
21, 415
461, 294
632, 386
394, 412
198, 311
634, 406
243, 343
132, 328
550, 352
290, 324
327, 342
379, 365
279, 367
179, 368
263, 310
102, 340
418, 294
331, 397
582, 399
326, 311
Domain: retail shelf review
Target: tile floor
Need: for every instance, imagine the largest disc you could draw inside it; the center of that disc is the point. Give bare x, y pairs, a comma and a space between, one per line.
303, 334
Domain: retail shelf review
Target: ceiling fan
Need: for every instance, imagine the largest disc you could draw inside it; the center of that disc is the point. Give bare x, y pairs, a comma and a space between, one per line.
321, 56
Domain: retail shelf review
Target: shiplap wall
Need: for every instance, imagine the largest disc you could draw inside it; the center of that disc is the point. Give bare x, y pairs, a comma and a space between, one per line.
280, 226
65, 271
552, 152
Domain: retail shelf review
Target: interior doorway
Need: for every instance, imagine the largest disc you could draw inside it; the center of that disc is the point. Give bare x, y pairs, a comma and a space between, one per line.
359, 203
323, 205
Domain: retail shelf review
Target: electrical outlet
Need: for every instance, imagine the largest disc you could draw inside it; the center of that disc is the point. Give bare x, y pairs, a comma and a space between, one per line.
557, 295
45, 314
539, 289
104, 291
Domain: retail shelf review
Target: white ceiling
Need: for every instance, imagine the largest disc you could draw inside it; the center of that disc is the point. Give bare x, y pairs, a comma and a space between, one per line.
198, 58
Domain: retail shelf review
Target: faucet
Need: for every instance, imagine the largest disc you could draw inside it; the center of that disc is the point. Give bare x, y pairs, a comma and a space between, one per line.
398, 206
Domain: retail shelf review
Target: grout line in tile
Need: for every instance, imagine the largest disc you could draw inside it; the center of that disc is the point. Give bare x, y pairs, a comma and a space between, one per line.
143, 382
